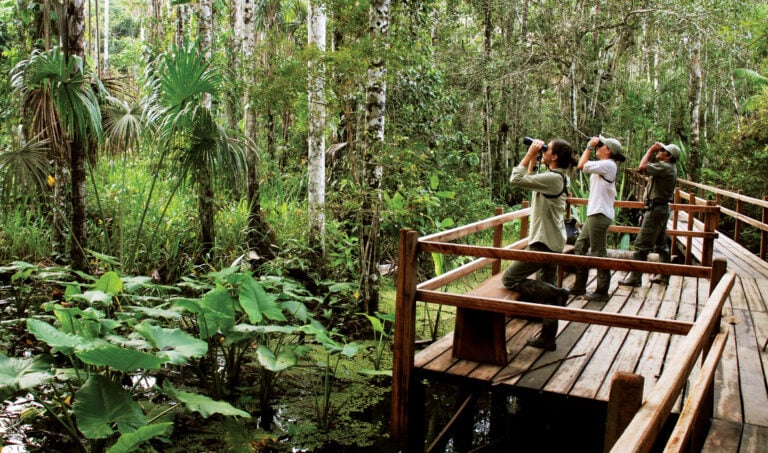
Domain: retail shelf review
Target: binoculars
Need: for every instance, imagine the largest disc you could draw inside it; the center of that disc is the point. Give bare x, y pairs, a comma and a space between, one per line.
529, 140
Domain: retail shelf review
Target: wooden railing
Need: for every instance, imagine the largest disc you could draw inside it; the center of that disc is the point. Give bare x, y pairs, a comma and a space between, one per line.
739, 200
410, 291
700, 194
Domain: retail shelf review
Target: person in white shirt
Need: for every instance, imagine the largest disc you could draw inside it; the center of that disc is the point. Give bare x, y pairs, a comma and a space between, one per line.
600, 213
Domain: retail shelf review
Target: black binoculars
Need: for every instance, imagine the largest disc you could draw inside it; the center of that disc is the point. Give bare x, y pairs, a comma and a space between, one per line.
529, 140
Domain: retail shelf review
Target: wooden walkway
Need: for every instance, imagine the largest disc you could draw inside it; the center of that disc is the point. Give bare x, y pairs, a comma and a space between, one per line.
740, 422
588, 355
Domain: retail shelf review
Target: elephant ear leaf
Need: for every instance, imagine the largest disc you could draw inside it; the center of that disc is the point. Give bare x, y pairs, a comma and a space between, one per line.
267, 359
130, 442
55, 338
101, 403
257, 303
121, 359
202, 404
174, 344
19, 374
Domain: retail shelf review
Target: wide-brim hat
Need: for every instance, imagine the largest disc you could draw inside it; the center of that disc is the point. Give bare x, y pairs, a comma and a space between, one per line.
673, 150
615, 147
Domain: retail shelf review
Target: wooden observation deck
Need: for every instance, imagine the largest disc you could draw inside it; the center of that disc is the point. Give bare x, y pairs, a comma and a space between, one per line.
694, 348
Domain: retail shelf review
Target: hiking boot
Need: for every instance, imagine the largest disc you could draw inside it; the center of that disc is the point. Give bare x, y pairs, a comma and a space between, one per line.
597, 297
579, 287
545, 338
577, 290
633, 279
660, 279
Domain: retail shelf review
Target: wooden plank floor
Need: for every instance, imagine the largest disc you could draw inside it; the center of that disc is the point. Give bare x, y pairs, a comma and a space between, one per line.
588, 355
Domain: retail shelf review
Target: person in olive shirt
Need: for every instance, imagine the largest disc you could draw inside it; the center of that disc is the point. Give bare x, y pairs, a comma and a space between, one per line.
659, 192
547, 230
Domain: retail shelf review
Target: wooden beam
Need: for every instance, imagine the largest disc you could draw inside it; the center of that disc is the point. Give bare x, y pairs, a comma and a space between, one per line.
519, 308
565, 259
404, 339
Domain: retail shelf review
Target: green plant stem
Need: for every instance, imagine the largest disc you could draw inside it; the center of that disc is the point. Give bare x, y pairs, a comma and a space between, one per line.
67, 424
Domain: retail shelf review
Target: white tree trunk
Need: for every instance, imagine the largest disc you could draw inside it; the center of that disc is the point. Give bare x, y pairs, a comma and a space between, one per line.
376, 96
106, 34
316, 135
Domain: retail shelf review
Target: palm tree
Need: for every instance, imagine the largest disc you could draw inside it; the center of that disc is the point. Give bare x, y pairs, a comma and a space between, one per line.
200, 148
60, 95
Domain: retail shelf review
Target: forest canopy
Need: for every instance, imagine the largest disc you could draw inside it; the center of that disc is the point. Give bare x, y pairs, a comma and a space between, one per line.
293, 129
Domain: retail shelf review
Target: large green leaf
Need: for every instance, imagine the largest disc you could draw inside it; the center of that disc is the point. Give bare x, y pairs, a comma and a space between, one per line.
94, 296
53, 337
110, 283
19, 374
257, 303
267, 359
121, 359
129, 442
202, 404
101, 403
174, 344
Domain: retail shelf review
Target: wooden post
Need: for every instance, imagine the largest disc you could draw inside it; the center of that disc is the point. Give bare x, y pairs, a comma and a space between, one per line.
498, 241
711, 220
764, 234
737, 226
524, 222
404, 434
691, 221
624, 400
675, 217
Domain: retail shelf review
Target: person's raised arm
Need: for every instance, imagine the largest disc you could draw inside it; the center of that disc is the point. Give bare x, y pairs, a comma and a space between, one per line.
648, 155
585, 155
529, 159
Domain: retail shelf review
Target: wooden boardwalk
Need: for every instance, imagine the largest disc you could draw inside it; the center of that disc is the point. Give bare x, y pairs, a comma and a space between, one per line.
587, 356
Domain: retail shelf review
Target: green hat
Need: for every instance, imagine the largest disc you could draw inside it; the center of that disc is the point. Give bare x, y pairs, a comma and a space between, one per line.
615, 148
673, 150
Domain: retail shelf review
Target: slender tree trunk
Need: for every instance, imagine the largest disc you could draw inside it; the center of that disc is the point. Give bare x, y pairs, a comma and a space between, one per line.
259, 238
316, 135
376, 96
695, 89
487, 158
206, 198
206, 210
78, 155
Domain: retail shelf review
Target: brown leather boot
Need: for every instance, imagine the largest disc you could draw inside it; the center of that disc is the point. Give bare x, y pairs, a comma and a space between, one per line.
545, 338
633, 279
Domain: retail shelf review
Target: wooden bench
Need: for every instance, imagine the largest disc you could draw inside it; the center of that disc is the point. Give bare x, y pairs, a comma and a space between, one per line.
480, 335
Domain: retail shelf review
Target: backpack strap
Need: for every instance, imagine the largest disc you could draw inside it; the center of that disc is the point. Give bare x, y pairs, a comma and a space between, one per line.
606, 179
565, 187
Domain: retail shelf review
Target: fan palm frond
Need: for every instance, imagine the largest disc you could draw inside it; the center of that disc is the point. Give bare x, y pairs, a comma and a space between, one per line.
25, 170
123, 123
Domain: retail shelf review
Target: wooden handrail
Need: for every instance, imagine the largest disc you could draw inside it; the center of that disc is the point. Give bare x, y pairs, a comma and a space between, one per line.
725, 193
691, 414
642, 431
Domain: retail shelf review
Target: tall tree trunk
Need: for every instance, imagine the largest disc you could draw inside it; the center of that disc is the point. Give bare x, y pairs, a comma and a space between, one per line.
259, 238
206, 209
695, 92
487, 158
106, 36
206, 198
376, 96
316, 134
78, 240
